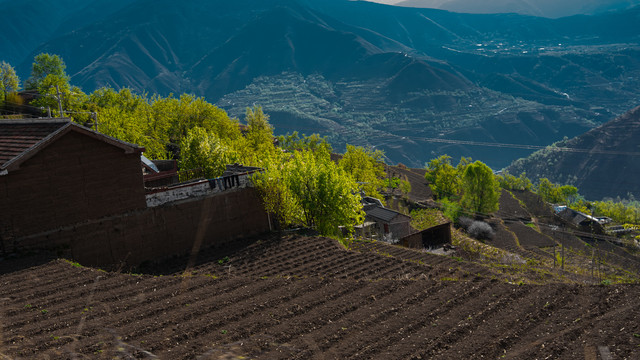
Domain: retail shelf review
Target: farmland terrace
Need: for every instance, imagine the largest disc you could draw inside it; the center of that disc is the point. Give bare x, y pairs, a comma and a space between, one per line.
301, 297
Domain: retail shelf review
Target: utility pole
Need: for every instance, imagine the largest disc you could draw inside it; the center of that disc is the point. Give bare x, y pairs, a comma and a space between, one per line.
59, 98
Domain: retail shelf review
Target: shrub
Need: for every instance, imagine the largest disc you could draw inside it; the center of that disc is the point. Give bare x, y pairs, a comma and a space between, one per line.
465, 222
480, 230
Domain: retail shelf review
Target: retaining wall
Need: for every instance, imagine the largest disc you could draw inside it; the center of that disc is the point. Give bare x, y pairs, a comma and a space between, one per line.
176, 228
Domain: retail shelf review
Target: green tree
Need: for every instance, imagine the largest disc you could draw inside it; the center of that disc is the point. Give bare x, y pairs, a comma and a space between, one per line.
481, 190
327, 195
314, 142
47, 65
203, 150
49, 78
279, 201
260, 132
366, 167
9, 81
443, 178
510, 182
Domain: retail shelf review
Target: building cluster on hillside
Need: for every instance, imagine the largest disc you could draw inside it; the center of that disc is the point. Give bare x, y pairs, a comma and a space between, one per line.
56, 175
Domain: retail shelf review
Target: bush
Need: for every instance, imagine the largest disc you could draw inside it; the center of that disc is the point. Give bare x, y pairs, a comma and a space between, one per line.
480, 230
465, 222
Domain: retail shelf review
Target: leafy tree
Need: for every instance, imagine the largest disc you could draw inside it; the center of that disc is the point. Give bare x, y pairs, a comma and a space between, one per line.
45, 65
203, 150
366, 167
278, 199
451, 209
554, 193
510, 182
260, 132
292, 142
327, 195
49, 78
480, 188
9, 81
443, 178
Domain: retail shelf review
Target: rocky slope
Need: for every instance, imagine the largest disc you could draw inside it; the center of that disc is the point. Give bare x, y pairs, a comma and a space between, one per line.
601, 163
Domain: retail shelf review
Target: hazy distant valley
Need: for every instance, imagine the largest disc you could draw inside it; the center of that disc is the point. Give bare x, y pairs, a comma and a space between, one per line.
414, 82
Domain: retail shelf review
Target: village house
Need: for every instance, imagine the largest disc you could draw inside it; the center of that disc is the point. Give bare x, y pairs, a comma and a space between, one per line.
386, 224
83, 194
55, 172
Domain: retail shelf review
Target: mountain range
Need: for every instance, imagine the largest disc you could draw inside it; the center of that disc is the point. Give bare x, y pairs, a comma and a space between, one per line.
601, 163
415, 83
545, 8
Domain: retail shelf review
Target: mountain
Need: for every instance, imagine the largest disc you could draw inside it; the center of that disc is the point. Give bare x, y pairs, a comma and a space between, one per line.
415, 83
29, 23
545, 8
601, 163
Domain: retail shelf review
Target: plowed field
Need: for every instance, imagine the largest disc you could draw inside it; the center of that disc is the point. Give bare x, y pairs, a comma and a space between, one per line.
308, 298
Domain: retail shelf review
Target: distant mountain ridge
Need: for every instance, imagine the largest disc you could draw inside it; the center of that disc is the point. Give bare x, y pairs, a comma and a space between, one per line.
364, 73
608, 166
545, 8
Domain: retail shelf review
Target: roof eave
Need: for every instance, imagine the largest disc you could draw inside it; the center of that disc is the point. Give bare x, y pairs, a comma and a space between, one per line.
15, 163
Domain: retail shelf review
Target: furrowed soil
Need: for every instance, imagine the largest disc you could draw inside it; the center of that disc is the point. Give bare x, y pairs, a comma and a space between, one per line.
300, 297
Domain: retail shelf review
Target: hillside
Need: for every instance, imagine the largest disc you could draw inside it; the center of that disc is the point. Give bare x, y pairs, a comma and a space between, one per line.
414, 82
546, 8
301, 297
601, 163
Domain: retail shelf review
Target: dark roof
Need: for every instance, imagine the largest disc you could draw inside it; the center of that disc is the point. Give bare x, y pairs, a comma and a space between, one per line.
238, 169
16, 138
22, 139
383, 214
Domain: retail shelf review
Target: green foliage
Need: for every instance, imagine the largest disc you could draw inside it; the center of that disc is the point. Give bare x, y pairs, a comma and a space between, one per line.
510, 182
366, 167
327, 195
451, 209
425, 218
314, 142
203, 150
309, 188
9, 81
47, 65
556, 194
481, 190
260, 131
621, 211
443, 177
278, 199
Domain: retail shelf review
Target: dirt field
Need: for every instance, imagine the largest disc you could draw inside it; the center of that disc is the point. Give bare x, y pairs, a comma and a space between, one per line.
309, 298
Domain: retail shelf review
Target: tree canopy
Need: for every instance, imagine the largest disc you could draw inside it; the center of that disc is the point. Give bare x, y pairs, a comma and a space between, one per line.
9, 81
366, 167
481, 189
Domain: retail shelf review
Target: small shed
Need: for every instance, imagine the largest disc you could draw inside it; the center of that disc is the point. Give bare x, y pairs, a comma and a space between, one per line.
54, 173
389, 224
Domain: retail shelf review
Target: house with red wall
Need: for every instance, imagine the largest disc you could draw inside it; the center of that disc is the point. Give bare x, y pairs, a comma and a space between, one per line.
55, 172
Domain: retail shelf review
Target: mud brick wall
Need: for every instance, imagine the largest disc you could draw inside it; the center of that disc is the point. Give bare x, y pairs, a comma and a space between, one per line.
431, 237
172, 229
71, 180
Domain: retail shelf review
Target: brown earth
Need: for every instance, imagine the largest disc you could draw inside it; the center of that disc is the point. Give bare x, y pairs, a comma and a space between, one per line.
308, 298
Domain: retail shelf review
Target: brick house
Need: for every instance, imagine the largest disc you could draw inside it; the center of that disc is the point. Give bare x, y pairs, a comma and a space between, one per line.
388, 224
54, 173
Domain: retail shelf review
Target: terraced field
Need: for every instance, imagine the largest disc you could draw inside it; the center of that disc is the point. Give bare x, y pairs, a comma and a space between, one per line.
308, 298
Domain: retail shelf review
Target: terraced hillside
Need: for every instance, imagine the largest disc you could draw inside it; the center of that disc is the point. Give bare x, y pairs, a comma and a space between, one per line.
306, 297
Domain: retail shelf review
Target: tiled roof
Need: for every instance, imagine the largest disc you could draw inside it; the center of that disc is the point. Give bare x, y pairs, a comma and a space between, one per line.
383, 214
18, 137
21, 139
